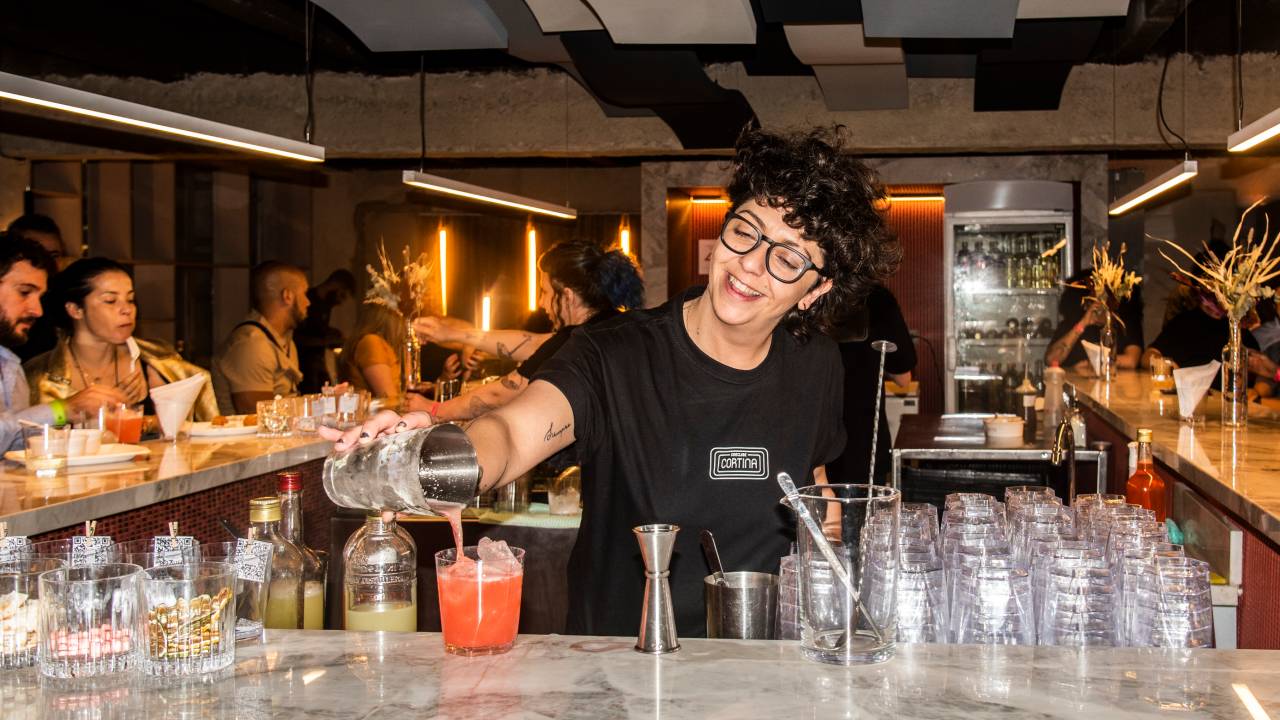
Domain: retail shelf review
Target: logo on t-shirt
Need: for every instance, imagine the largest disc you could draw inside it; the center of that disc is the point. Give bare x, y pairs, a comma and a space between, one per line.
739, 463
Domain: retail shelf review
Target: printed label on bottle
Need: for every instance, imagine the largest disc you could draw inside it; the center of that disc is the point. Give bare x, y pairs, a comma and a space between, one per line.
171, 549
328, 405
14, 547
253, 557
87, 551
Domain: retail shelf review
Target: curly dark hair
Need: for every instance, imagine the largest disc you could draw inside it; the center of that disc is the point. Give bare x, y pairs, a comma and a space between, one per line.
833, 200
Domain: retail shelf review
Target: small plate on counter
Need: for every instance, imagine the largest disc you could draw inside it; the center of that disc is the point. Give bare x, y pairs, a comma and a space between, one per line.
234, 425
107, 454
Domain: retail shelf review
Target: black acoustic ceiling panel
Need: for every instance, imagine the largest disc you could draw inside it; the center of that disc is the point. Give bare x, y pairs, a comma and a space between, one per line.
827, 12
1070, 40
772, 54
1029, 71
673, 83
1019, 86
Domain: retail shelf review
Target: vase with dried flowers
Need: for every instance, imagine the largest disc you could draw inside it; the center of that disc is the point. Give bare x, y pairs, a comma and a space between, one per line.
405, 291
1109, 285
1235, 282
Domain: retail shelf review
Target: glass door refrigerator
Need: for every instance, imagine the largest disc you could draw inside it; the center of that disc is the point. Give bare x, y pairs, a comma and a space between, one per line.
1008, 247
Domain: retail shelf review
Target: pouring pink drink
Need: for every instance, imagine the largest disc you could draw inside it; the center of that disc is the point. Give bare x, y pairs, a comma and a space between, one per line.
480, 597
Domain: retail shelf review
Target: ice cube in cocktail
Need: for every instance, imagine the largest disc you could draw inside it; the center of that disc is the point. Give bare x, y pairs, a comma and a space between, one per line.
480, 597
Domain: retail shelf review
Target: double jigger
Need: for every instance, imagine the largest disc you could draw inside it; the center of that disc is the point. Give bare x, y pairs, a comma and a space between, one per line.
657, 617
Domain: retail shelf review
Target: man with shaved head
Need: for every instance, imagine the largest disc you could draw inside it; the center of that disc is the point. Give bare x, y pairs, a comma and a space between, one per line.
259, 360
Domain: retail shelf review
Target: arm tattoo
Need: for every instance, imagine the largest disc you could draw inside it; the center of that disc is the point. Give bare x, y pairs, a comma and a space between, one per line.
511, 382
552, 434
507, 353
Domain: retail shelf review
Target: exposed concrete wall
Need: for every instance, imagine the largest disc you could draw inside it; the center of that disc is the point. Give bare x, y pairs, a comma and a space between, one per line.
13, 182
543, 112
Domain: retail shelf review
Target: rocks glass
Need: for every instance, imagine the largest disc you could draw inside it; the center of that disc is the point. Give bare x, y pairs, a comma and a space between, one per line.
92, 620
479, 600
190, 618
20, 609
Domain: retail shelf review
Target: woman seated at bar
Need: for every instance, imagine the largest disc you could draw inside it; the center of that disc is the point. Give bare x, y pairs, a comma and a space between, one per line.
1079, 319
371, 358
92, 304
685, 413
580, 284
1197, 336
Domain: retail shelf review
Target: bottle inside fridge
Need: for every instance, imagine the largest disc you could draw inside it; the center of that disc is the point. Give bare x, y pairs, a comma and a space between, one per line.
1006, 282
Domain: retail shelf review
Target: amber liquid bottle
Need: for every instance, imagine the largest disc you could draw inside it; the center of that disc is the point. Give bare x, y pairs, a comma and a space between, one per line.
1145, 488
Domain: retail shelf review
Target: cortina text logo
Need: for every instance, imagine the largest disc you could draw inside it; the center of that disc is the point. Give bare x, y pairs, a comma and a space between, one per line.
739, 463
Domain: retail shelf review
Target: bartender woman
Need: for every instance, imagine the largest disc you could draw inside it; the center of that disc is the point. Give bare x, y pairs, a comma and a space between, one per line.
685, 413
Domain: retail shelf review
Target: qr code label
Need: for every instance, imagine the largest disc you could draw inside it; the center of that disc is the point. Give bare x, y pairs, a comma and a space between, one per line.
253, 557
87, 551
172, 549
14, 547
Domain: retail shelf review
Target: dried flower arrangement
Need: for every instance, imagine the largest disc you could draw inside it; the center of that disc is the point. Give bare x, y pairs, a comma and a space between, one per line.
1239, 279
1110, 283
406, 290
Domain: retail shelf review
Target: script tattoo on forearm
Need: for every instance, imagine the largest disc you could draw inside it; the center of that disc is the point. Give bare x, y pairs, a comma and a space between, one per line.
553, 434
507, 353
511, 382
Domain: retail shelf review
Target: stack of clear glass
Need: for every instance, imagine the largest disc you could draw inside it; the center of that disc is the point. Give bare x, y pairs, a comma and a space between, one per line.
1030, 570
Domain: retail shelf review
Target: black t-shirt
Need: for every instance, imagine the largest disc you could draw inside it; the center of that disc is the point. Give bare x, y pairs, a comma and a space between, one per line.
1193, 338
883, 321
668, 435
551, 345
1071, 311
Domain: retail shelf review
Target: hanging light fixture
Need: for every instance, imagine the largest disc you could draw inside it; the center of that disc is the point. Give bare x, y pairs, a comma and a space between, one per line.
1169, 179
444, 272
1247, 137
446, 186
1183, 171
624, 240
19, 89
532, 267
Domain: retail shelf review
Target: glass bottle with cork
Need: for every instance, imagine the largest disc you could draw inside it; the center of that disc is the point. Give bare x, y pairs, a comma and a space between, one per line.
285, 593
313, 563
1145, 487
381, 577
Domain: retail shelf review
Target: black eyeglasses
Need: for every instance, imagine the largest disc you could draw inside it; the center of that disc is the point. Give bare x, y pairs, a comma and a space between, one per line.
784, 262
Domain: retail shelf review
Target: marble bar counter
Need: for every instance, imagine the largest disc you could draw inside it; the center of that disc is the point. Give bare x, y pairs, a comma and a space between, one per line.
301, 674
33, 506
1239, 469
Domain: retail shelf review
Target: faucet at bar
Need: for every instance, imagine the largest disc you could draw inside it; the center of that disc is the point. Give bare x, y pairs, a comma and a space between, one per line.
1064, 446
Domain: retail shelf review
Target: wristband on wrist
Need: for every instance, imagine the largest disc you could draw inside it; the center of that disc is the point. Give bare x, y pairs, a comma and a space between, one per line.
1276, 377
59, 409
432, 412
1079, 328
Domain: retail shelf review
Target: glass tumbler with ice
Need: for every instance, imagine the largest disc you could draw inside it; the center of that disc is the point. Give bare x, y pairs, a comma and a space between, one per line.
480, 597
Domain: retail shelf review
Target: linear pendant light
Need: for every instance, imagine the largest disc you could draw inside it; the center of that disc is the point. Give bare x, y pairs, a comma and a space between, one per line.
1167, 180
1255, 133
444, 185
86, 104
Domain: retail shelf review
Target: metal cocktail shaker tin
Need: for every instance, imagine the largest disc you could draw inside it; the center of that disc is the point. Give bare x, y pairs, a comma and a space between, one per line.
417, 471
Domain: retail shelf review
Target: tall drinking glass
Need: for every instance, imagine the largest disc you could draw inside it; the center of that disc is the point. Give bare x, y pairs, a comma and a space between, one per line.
839, 623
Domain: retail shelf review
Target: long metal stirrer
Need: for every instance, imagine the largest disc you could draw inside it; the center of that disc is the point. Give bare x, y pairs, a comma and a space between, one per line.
885, 347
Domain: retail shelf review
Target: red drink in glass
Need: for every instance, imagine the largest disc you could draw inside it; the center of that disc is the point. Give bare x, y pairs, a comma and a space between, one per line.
126, 423
479, 601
